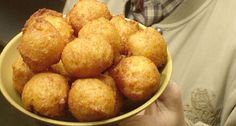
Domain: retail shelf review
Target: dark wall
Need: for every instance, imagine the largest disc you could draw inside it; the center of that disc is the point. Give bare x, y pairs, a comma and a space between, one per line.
14, 13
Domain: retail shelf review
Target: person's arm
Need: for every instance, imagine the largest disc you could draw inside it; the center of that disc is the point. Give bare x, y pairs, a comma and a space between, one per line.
166, 111
228, 114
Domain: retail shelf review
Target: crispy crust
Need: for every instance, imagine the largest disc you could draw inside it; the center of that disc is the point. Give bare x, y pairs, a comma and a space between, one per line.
87, 57
125, 29
119, 98
39, 14
148, 43
46, 94
105, 29
41, 45
85, 11
21, 74
91, 100
137, 78
59, 68
56, 19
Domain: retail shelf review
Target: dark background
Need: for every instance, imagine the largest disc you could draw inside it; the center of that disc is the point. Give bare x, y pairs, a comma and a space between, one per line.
13, 14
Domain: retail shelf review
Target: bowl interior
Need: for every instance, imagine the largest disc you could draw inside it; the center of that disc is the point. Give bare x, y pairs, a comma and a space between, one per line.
9, 56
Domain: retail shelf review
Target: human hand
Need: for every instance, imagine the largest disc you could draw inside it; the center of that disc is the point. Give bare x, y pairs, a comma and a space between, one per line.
166, 111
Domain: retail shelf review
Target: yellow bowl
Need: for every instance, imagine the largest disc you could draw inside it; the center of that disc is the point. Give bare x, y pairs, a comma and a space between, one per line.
9, 56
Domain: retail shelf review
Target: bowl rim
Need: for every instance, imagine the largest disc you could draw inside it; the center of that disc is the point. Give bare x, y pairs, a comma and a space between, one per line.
102, 122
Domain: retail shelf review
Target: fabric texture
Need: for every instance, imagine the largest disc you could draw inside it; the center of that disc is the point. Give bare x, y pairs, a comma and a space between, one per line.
203, 48
149, 12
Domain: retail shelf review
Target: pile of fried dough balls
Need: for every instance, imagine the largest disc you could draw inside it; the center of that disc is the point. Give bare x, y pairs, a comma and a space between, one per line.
87, 62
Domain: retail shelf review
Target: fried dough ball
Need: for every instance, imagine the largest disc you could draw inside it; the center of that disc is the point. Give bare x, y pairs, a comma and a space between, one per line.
46, 94
104, 28
56, 19
119, 99
41, 45
21, 74
148, 43
91, 100
137, 78
85, 11
59, 68
125, 29
87, 57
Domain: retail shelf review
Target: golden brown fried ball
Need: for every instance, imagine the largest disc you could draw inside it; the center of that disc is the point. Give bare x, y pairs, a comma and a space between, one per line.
87, 57
91, 100
125, 29
21, 74
137, 77
119, 98
46, 94
104, 28
85, 11
41, 45
59, 68
56, 19
148, 43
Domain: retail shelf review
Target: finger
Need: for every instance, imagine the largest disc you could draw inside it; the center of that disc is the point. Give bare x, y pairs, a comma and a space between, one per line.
171, 97
151, 110
140, 120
